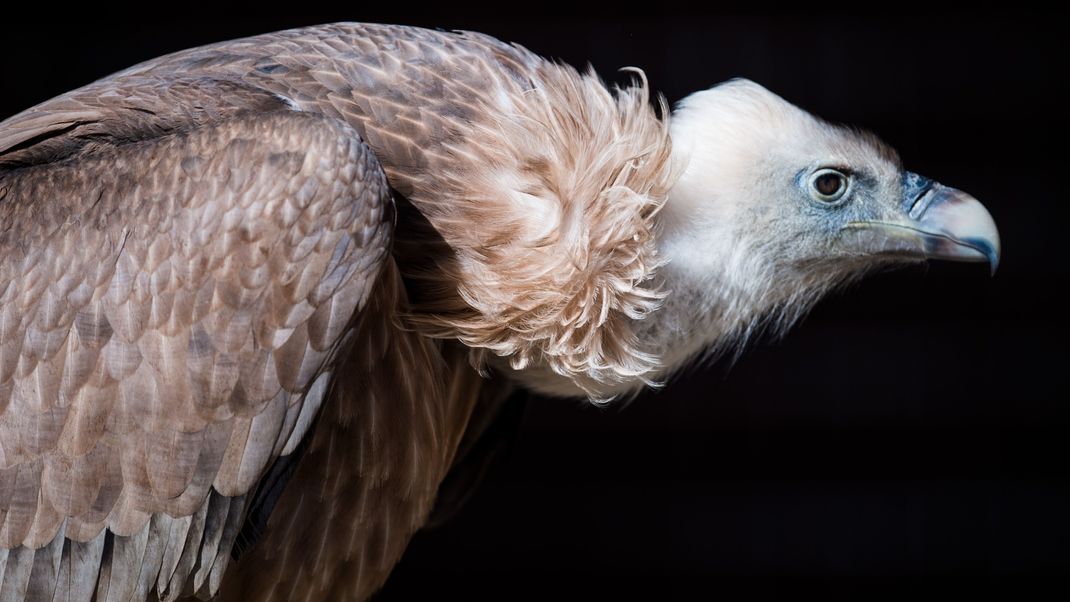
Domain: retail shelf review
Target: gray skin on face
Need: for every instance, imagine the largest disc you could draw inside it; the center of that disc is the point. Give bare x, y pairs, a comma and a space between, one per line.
853, 204
847, 215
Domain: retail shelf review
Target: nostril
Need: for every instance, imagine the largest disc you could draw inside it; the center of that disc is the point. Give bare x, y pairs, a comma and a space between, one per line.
921, 202
916, 197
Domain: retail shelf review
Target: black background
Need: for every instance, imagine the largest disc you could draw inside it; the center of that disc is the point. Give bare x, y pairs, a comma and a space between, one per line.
909, 438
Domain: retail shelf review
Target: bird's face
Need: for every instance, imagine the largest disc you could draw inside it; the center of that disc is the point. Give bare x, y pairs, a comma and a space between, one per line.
777, 206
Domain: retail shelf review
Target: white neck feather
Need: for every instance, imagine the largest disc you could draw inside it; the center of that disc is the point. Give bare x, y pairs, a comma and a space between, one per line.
722, 286
718, 292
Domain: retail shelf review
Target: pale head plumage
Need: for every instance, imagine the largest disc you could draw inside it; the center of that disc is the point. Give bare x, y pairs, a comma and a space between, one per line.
747, 247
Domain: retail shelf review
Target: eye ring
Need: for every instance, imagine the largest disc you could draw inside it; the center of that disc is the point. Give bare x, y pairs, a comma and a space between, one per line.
828, 186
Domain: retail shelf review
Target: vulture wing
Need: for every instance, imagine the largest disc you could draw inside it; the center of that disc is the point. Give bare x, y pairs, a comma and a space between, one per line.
181, 261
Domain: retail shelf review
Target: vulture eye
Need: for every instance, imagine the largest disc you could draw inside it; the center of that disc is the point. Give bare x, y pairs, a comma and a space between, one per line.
828, 185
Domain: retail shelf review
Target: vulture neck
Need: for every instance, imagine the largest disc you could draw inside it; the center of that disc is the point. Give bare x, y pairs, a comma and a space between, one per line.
704, 312
719, 287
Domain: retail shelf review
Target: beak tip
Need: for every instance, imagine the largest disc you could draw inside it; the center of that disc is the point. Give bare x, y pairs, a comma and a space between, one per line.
993, 260
988, 249
990, 246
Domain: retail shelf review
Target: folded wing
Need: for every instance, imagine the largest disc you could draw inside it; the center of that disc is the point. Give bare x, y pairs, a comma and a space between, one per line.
180, 262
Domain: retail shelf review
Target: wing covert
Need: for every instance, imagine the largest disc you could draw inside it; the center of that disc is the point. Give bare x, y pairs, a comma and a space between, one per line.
170, 303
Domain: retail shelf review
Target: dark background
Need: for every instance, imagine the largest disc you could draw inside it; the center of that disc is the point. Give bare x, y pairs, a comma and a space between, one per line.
909, 438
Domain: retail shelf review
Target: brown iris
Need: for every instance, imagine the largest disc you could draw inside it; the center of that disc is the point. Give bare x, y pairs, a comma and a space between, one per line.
828, 184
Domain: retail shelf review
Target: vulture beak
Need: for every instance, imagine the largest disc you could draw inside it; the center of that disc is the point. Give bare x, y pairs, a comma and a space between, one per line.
936, 222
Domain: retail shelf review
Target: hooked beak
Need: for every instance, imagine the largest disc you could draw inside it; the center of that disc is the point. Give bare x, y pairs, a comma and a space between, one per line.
936, 222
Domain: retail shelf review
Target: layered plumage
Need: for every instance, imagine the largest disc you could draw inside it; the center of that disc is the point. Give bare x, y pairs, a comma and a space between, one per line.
266, 285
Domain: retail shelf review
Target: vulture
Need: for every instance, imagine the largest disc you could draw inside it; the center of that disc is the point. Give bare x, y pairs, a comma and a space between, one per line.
257, 297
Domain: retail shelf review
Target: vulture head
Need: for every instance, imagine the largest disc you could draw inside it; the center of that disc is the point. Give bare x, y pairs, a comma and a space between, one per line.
770, 209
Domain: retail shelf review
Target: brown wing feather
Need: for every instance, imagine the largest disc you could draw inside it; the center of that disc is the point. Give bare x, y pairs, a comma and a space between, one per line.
156, 294
386, 438
137, 108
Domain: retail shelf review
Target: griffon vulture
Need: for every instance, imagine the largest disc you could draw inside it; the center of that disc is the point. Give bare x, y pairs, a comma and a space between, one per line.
253, 295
